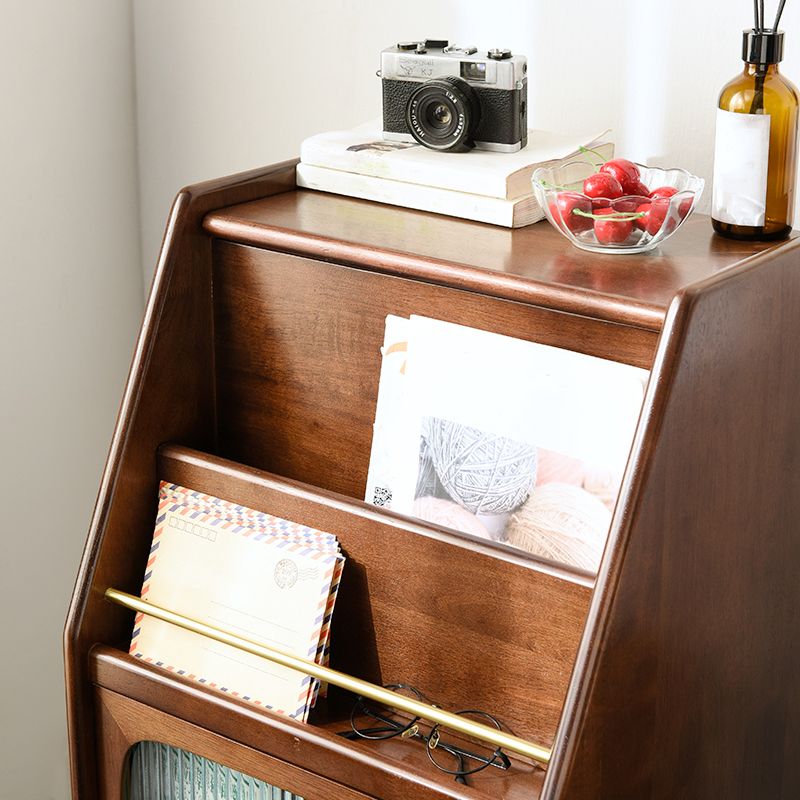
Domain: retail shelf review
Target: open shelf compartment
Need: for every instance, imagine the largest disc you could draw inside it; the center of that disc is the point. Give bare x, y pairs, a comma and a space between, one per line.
472, 624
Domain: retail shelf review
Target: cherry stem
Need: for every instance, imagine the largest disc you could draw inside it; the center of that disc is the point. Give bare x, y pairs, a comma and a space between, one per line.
593, 152
617, 216
548, 185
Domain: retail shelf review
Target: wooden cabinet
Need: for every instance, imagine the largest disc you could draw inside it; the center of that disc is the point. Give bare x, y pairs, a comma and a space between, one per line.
673, 673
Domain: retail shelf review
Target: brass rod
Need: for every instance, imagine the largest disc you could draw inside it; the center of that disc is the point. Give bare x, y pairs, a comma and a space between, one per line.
370, 690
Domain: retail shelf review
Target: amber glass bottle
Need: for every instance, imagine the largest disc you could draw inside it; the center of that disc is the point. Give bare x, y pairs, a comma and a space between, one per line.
756, 145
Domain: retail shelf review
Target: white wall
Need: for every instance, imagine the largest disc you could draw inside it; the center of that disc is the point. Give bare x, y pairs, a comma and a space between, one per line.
229, 86
70, 302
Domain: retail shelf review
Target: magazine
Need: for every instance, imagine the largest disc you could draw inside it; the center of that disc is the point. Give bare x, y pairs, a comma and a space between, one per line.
502, 438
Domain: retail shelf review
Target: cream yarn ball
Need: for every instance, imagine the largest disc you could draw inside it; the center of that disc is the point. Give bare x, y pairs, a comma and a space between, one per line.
563, 523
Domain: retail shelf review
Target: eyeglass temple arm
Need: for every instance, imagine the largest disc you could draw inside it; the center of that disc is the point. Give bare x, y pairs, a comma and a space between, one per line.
355, 735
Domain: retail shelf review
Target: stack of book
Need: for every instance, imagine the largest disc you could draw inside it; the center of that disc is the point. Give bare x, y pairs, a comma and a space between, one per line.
478, 185
251, 573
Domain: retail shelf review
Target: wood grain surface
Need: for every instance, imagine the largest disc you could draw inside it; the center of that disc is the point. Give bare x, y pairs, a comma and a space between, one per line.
470, 623
298, 355
260, 344
688, 679
169, 395
122, 722
298, 757
534, 265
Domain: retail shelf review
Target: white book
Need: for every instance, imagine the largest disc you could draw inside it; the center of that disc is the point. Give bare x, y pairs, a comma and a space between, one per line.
509, 213
506, 176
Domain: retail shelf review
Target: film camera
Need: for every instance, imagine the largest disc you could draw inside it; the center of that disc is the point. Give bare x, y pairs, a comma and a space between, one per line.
453, 98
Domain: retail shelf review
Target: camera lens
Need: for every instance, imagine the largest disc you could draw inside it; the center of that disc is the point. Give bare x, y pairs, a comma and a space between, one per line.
439, 116
443, 114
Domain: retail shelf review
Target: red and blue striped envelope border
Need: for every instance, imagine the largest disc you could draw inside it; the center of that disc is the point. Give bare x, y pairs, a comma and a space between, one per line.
247, 517
271, 531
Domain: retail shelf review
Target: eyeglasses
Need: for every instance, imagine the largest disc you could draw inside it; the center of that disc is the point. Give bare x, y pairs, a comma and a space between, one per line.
369, 721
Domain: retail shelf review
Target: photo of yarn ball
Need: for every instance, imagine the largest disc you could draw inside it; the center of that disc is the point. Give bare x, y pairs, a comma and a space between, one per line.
553, 506
563, 523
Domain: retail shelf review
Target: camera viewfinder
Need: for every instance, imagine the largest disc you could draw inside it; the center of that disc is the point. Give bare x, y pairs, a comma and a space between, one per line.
473, 70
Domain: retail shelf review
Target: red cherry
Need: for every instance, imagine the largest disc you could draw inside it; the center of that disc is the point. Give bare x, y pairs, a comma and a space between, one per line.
664, 191
640, 190
655, 213
685, 207
627, 204
641, 222
562, 211
611, 231
602, 184
626, 172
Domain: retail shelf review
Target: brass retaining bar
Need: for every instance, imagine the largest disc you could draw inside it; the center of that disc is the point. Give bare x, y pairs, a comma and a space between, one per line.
374, 692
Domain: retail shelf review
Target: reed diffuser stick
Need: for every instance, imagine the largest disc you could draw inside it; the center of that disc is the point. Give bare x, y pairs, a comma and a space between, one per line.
778, 15
757, 104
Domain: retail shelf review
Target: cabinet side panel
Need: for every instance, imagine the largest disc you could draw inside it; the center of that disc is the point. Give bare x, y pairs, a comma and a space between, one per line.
687, 683
169, 396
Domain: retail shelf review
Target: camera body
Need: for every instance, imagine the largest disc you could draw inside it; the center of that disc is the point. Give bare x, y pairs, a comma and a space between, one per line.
453, 98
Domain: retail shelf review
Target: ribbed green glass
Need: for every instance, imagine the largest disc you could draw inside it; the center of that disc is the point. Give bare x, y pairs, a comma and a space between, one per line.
159, 772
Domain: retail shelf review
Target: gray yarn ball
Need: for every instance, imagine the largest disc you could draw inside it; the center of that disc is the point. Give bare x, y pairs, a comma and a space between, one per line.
483, 472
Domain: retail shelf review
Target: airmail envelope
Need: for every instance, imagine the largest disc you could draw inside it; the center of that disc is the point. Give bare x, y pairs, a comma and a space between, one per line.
253, 582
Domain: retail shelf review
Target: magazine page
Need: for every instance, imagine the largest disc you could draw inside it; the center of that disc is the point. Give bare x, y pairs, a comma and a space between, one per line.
390, 432
513, 441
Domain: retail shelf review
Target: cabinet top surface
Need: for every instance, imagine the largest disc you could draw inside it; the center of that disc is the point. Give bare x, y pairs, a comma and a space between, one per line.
532, 264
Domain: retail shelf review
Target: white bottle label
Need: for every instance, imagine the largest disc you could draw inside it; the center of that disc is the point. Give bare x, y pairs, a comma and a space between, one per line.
741, 158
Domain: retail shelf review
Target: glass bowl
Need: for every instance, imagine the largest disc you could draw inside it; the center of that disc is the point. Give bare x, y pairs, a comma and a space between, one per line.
559, 189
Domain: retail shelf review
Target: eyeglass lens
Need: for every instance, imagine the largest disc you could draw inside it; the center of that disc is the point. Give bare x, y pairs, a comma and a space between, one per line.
465, 757
461, 757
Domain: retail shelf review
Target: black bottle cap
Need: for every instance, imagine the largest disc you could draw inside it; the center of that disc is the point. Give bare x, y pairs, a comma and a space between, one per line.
762, 47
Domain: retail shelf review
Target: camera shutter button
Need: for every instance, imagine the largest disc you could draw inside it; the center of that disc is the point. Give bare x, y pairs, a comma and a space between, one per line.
408, 45
499, 55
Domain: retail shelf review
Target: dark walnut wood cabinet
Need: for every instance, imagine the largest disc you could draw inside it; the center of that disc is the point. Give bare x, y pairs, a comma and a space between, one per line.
675, 673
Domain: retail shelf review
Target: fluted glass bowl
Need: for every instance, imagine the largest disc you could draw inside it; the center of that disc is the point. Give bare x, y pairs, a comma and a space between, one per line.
559, 189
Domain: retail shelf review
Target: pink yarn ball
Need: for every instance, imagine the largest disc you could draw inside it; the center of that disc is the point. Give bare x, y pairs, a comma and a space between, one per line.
449, 515
554, 467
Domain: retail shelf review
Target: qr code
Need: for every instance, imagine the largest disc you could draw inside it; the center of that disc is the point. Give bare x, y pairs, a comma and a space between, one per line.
382, 496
